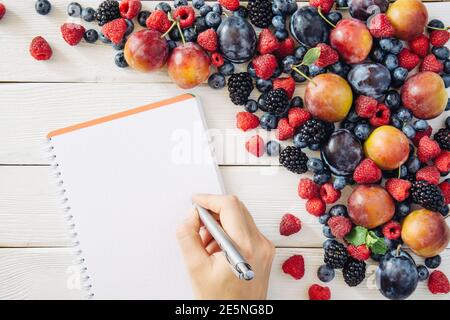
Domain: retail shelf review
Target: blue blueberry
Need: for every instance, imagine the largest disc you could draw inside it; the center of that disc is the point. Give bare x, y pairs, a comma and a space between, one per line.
392, 99
262, 102
278, 22
391, 45
277, 72
421, 125
216, 81
297, 102
299, 78
217, 8
338, 210
325, 273
446, 79
213, 19
422, 272
435, 23
392, 244
43, 7
164, 6
376, 257
103, 38
445, 210
142, 18
404, 115
323, 219
264, 85
179, 3
340, 68
204, 10
174, 34
120, 45
273, 148
433, 262
120, 61
400, 74
403, 208
447, 66
341, 3
88, 14
172, 44
251, 106
130, 27
314, 147
268, 121
339, 183
315, 70
281, 34
90, 36
413, 165
190, 34
409, 131
198, 3
390, 62
442, 53
200, 24
395, 121
300, 52
327, 243
326, 230
227, 69
315, 165
241, 12
321, 177
284, 7
362, 131
334, 17
299, 143
288, 62
378, 55
74, 9
353, 116
350, 126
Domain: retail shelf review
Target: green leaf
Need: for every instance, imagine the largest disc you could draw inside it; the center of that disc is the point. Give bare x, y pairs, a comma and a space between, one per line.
375, 243
311, 56
357, 236
371, 238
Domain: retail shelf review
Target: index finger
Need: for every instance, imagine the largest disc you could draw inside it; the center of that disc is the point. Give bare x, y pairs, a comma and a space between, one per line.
216, 203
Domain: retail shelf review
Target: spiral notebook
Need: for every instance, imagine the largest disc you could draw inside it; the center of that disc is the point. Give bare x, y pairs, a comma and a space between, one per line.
127, 180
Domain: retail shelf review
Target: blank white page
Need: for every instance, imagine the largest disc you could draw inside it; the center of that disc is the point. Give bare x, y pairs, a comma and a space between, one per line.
128, 179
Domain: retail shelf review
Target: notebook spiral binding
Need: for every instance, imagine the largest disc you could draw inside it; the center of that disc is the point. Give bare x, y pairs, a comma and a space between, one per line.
70, 220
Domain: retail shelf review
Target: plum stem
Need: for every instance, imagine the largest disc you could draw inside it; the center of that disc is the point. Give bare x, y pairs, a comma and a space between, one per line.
170, 29
302, 74
397, 251
319, 10
442, 29
181, 33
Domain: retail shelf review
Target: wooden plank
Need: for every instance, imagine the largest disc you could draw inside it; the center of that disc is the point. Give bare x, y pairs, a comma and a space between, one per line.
50, 273
30, 215
83, 63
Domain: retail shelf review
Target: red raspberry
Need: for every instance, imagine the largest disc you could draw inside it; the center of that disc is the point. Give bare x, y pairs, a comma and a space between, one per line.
439, 38
208, 40
428, 149
185, 15
340, 226
2, 10
324, 5
267, 42
217, 59
445, 188
430, 174
40, 49
287, 84
265, 66
246, 121
255, 145
431, 63
307, 189
367, 172
361, 252
284, 130
381, 117
231, 5
317, 292
442, 162
366, 107
290, 224
420, 134
398, 188
392, 230
438, 283
329, 194
298, 116
380, 26
285, 48
315, 206
115, 30
407, 59
129, 8
327, 57
158, 21
294, 266
420, 45
72, 33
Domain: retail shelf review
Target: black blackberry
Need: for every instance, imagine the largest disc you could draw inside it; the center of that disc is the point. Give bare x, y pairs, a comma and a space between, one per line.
443, 138
240, 85
107, 11
260, 13
277, 102
335, 255
294, 160
427, 195
315, 132
354, 272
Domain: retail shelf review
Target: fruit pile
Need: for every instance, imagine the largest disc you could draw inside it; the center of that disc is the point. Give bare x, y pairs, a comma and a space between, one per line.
372, 83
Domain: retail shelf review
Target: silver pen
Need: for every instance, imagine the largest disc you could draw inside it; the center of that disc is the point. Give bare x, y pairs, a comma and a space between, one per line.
238, 264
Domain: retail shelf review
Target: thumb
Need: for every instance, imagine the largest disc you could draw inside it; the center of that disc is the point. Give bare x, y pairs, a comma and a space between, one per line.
190, 242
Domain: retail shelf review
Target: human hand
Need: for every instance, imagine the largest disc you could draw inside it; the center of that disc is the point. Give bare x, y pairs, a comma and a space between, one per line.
211, 275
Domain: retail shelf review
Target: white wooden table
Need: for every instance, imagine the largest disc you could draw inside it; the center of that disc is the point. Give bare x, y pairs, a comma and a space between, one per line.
81, 83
